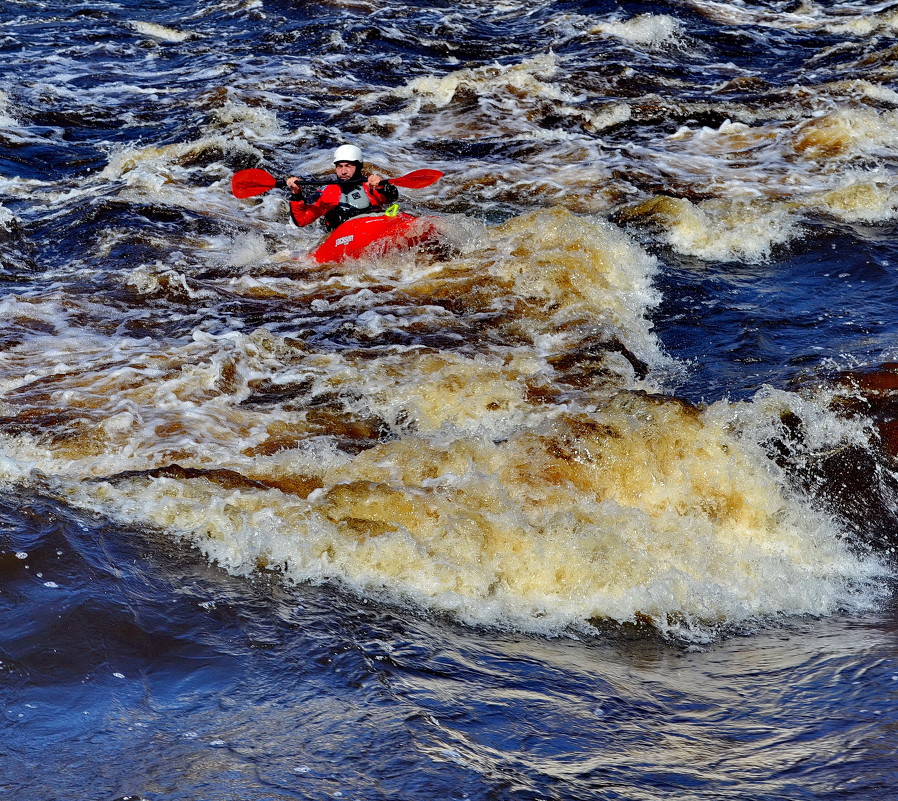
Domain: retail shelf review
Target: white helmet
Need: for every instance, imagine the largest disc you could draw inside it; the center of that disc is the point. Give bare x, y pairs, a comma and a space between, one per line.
348, 153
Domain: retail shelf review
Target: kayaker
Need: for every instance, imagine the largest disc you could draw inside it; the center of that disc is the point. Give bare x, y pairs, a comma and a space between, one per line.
355, 193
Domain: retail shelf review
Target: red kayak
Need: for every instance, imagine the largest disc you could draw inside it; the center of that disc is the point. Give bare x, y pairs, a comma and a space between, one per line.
375, 236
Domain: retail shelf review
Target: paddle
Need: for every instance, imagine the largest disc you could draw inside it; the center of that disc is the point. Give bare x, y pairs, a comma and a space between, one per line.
249, 183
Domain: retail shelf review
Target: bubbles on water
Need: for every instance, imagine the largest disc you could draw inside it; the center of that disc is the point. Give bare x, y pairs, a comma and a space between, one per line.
644, 29
161, 32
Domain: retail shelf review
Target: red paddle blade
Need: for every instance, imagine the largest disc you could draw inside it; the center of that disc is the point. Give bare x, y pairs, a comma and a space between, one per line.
249, 183
417, 179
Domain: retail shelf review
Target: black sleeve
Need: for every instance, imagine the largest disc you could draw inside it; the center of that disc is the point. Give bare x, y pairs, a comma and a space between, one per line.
390, 192
307, 194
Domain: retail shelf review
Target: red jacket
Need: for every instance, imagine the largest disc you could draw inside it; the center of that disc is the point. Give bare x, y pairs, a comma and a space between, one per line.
304, 213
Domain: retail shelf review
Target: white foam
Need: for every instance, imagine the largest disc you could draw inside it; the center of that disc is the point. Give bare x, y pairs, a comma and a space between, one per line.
494, 483
645, 29
724, 231
7, 218
6, 118
161, 31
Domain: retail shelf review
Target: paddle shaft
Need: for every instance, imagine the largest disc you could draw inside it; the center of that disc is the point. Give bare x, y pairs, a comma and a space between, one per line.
350, 182
251, 182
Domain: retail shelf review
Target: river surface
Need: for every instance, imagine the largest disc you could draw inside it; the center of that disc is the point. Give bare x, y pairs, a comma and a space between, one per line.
596, 500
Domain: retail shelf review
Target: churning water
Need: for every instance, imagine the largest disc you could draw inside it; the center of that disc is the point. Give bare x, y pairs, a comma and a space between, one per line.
598, 501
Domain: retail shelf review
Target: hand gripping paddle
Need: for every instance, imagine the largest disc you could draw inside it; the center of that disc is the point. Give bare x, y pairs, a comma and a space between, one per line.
249, 183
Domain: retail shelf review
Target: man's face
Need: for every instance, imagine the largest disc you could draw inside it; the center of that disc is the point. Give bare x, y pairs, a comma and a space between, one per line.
345, 170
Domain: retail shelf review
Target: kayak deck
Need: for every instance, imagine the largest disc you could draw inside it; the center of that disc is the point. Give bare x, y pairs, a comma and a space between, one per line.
375, 236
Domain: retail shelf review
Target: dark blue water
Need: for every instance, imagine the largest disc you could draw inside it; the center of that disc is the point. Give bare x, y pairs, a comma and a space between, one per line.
823, 305
243, 499
182, 683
